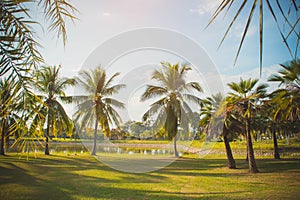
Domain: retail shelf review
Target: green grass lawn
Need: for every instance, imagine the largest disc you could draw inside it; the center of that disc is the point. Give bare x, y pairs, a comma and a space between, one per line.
81, 176
264, 144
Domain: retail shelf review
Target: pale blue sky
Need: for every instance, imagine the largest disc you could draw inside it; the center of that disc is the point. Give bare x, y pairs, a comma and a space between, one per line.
99, 20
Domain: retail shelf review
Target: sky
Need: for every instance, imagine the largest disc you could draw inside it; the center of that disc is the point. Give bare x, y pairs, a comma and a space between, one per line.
101, 22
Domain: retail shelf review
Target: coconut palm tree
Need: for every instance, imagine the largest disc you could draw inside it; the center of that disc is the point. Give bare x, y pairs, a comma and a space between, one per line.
245, 97
51, 90
215, 116
173, 91
9, 97
97, 105
18, 107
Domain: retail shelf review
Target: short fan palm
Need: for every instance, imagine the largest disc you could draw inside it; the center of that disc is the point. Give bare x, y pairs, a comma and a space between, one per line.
244, 100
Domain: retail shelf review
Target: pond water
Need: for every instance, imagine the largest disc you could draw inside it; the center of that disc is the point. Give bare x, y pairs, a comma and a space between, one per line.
79, 148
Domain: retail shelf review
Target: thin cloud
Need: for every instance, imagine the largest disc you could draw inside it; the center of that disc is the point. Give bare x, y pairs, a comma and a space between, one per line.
206, 7
238, 30
106, 14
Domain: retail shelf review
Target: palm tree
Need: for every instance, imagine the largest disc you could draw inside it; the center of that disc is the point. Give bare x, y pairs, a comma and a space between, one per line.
50, 87
263, 122
98, 106
274, 124
245, 98
215, 115
281, 11
172, 91
9, 95
287, 100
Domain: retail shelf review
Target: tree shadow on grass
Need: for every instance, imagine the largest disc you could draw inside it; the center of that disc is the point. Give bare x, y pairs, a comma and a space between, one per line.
17, 182
121, 193
60, 177
274, 166
69, 177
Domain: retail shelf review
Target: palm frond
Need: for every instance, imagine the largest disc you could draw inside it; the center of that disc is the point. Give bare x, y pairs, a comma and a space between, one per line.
80, 98
193, 98
152, 111
111, 79
114, 102
284, 12
113, 89
86, 119
18, 46
85, 105
153, 91
194, 85
56, 11
160, 119
65, 118
114, 116
290, 74
86, 81
159, 76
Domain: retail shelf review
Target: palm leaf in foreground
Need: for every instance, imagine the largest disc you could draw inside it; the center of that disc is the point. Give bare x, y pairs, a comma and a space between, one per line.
18, 40
288, 16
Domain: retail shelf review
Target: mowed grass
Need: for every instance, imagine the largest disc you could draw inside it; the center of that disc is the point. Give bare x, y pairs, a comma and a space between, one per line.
264, 144
81, 176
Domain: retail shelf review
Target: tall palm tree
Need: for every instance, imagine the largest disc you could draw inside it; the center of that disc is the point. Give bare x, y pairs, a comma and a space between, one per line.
172, 91
51, 90
98, 105
245, 98
215, 115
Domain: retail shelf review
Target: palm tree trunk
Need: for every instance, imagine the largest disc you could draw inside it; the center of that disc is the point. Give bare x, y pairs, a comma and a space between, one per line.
231, 161
2, 152
7, 143
47, 137
175, 148
276, 150
250, 151
95, 139
247, 158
